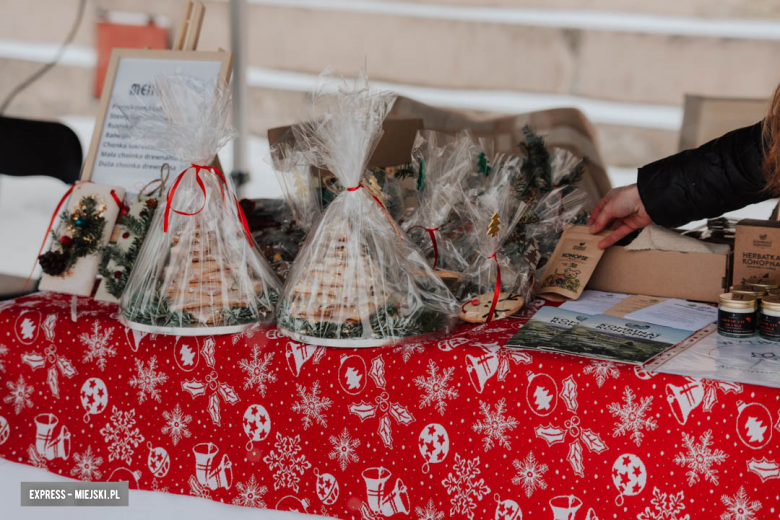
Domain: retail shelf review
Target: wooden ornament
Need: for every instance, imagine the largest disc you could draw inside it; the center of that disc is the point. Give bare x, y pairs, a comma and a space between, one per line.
79, 279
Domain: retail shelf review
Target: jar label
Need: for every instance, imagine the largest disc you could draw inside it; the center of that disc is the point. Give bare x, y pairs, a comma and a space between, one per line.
736, 322
769, 326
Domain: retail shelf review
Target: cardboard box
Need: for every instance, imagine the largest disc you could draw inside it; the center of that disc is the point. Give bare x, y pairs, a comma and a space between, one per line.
757, 250
667, 274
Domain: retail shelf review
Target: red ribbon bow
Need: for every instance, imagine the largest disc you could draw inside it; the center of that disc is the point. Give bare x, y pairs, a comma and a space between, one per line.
223, 181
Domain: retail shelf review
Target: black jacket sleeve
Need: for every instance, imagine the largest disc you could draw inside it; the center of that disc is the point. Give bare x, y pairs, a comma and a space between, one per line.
720, 176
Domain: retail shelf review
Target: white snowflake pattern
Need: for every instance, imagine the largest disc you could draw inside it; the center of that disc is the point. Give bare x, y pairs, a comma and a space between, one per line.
666, 507
250, 494
147, 379
602, 370
632, 416
699, 458
3, 352
286, 462
121, 435
429, 513
408, 350
436, 387
257, 368
530, 474
464, 487
19, 395
343, 449
98, 349
494, 425
739, 507
312, 406
87, 465
176, 425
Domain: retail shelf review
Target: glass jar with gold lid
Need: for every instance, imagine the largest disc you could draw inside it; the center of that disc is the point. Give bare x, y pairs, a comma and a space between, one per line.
747, 289
762, 284
737, 315
769, 318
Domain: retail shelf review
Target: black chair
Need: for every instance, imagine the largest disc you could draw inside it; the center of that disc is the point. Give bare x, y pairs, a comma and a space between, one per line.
30, 148
48, 148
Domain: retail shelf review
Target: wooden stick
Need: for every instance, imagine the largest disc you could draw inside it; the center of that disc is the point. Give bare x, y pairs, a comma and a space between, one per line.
181, 30
196, 23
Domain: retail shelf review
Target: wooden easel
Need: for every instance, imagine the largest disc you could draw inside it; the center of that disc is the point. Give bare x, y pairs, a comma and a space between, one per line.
188, 32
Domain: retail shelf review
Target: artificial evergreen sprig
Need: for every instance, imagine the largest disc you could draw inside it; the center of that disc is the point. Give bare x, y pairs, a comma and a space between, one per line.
116, 279
79, 235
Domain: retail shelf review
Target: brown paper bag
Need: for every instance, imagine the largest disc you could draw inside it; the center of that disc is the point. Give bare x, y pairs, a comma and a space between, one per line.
571, 264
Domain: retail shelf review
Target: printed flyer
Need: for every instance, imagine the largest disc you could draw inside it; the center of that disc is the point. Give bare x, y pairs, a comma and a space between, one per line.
618, 339
544, 326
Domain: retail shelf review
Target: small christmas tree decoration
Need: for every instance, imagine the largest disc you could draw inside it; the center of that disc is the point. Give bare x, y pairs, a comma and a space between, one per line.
71, 265
494, 226
499, 280
198, 271
357, 281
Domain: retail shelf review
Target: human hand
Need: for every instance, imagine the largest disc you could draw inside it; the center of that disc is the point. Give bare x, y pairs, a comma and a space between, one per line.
622, 211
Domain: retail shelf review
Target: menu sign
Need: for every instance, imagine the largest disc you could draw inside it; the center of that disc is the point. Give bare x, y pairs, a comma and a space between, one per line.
113, 158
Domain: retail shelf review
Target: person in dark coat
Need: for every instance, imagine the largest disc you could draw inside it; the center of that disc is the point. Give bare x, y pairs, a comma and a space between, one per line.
725, 174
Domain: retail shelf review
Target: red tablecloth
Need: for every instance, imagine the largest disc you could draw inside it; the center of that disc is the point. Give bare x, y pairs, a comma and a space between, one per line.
455, 428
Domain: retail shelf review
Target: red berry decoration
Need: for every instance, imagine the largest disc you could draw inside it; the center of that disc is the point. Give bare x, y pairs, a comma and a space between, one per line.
125, 235
117, 274
66, 241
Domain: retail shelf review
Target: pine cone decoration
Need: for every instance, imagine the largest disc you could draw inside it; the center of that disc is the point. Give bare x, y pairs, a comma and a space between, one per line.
53, 263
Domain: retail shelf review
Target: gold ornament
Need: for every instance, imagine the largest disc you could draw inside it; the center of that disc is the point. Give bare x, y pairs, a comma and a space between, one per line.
374, 188
493, 227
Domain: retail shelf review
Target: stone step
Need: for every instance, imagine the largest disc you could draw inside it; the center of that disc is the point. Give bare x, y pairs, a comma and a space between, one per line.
621, 145
612, 65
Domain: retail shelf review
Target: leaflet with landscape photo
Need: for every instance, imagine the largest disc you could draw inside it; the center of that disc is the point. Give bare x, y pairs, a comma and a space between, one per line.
544, 326
617, 339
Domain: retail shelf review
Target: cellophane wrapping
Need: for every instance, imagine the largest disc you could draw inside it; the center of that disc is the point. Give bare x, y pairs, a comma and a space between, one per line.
358, 281
493, 211
554, 206
198, 271
443, 164
299, 186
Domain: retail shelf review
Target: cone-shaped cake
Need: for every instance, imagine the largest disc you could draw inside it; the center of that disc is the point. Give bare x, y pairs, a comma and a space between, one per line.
358, 280
198, 271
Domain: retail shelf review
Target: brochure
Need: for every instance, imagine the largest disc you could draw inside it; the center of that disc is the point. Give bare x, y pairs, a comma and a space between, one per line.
617, 339
544, 326
752, 360
680, 314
